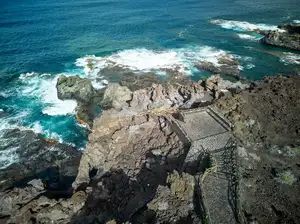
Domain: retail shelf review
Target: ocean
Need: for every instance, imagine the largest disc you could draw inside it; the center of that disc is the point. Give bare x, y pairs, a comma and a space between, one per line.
39, 40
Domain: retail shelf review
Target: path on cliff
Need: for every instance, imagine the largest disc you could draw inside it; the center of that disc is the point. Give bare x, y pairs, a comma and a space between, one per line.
208, 135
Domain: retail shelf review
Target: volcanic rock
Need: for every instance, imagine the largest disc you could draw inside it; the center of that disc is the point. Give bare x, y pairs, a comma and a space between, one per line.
289, 39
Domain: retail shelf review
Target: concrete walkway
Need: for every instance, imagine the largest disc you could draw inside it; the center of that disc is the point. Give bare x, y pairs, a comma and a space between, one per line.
209, 138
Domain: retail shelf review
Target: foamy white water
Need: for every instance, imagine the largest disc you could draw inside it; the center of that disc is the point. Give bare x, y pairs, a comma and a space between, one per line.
144, 60
290, 58
13, 120
44, 87
296, 21
38, 128
243, 25
248, 37
8, 157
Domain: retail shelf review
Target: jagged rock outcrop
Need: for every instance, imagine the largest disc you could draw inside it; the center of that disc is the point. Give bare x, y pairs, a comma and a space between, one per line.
223, 88
56, 164
156, 96
75, 87
226, 65
35, 204
175, 203
289, 39
165, 96
116, 96
81, 90
126, 142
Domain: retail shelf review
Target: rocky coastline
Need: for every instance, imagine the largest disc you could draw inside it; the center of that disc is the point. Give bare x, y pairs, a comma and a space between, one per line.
287, 36
133, 169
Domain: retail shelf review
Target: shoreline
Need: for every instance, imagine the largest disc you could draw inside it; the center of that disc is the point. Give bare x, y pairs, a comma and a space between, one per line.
159, 153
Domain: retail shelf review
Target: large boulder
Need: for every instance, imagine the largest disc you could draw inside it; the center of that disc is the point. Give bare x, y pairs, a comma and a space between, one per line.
75, 87
289, 39
116, 96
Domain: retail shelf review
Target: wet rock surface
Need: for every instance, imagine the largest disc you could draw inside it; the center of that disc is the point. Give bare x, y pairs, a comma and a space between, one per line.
56, 164
81, 90
226, 65
289, 39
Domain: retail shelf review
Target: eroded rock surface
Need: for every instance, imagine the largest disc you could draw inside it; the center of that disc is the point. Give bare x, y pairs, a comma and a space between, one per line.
74, 87
175, 203
126, 142
226, 65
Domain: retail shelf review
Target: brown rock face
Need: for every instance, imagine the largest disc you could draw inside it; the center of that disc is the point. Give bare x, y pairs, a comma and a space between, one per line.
156, 96
120, 142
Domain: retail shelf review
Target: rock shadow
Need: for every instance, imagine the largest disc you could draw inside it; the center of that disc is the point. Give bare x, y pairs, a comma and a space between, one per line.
118, 196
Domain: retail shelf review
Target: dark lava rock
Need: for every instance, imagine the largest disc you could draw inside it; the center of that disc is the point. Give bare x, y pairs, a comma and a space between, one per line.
81, 90
56, 164
266, 123
289, 39
268, 112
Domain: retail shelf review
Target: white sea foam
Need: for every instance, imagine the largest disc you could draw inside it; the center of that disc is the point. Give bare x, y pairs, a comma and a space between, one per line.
250, 66
8, 157
44, 87
243, 26
296, 21
290, 58
248, 37
13, 120
38, 128
144, 60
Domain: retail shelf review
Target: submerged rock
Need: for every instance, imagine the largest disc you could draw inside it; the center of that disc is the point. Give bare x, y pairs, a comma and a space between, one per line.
227, 65
289, 39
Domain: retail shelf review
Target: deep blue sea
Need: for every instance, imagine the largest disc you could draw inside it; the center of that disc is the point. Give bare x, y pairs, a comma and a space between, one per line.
41, 39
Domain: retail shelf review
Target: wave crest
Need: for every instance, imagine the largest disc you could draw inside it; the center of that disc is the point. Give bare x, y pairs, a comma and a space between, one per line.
243, 25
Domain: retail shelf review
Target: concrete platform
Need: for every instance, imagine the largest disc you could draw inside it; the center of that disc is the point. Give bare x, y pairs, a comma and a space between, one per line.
208, 135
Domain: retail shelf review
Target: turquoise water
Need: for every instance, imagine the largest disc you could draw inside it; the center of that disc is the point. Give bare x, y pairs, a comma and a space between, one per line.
47, 37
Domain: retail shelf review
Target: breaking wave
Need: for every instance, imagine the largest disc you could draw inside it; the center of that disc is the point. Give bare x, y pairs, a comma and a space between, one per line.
290, 58
249, 37
182, 60
44, 87
243, 26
